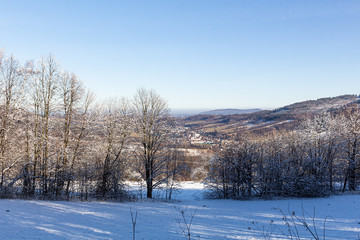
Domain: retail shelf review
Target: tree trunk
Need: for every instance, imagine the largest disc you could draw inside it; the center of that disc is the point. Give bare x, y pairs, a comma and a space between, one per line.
149, 186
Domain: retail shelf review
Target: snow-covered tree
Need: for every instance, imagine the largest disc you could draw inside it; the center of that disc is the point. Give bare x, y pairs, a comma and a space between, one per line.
151, 128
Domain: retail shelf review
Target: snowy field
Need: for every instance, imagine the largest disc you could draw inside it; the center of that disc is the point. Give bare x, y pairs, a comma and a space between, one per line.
214, 219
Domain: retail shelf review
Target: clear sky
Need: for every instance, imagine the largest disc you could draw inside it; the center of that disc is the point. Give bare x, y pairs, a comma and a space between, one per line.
195, 53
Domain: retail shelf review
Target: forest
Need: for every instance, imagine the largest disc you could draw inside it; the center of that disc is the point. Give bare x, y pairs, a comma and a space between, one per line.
58, 142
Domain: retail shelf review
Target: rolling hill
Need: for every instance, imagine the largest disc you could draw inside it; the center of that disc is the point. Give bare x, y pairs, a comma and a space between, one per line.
266, 120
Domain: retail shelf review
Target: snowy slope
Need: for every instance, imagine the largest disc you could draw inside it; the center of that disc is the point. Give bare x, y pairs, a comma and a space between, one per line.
214, 219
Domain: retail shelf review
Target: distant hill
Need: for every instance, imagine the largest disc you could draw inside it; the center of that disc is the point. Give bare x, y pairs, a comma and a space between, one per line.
266, 120
186, 112
230, 111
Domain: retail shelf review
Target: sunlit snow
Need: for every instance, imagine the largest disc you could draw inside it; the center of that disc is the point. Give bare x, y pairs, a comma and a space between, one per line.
214, 219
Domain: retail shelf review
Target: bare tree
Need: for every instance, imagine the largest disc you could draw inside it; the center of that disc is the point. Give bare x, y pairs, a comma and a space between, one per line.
12, 84
71, 92
45, 86
151, 116
85, 118
351, 130
232, 171
186, 221
117, 116
321, 140
174, 167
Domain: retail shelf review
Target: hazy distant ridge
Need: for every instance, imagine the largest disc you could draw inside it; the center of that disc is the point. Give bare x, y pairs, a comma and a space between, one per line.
230, 111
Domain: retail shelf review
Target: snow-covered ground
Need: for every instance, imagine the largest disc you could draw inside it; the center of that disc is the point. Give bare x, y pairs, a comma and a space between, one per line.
214, 219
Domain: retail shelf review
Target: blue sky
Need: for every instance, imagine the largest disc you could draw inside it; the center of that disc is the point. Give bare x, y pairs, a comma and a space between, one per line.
195, 53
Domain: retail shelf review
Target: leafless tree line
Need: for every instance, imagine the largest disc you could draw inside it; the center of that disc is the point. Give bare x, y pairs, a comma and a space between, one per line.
320, 157
57, 142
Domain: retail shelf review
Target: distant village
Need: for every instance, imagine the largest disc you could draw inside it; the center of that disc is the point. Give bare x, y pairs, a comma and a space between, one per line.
197, 138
